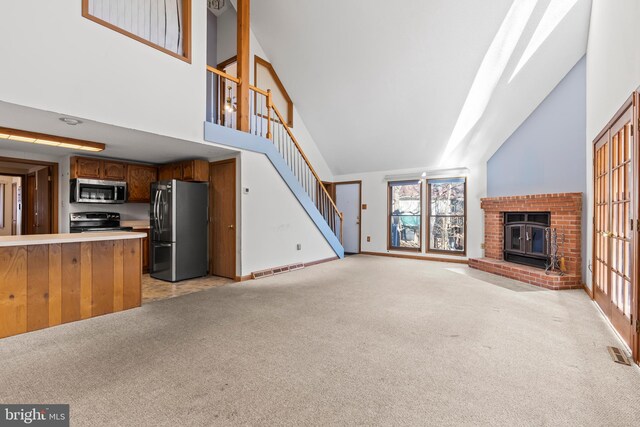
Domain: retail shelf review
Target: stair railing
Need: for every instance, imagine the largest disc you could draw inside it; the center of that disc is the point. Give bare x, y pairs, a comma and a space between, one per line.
265, 120
275, 128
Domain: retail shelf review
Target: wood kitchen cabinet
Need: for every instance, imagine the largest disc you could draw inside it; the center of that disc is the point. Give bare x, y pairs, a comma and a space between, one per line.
86, 167
189, 170
82, 167
116, 171
145, 247
139, 179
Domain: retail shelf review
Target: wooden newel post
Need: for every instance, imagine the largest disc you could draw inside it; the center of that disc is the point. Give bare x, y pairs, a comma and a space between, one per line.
341, 228
244, 60
268, 113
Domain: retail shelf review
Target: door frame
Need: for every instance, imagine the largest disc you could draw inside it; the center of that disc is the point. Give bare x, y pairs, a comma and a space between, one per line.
632, 102
235, 216
335, 197
54, 207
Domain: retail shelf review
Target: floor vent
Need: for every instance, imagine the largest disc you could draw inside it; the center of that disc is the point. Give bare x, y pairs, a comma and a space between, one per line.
276, 270
618, 356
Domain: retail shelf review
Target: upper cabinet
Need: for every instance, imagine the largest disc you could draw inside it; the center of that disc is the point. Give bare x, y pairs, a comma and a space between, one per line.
189, 170
85, 167
116, 171
139, 179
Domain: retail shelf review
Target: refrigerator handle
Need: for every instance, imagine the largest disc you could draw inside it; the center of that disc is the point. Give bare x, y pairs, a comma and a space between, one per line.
156, 221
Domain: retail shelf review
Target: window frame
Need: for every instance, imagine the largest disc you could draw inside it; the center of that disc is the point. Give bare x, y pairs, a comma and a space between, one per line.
186, 30
428, 217
391, 184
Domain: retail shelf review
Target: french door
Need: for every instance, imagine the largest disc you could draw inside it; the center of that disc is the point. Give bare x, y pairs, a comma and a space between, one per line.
614, 224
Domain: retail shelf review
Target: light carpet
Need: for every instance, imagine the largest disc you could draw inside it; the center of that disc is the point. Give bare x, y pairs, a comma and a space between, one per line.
362, 341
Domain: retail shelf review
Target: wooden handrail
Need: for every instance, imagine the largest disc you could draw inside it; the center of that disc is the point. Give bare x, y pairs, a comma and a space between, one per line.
257, 89
223, 74
295, 141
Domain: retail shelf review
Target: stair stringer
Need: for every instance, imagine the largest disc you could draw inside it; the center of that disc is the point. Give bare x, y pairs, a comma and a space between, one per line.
245, 141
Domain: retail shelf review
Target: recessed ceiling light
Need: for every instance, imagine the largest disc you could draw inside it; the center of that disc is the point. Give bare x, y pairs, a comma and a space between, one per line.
70, 121
424, 174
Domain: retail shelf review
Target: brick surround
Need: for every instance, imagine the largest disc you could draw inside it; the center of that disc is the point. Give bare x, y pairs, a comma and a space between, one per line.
566, 214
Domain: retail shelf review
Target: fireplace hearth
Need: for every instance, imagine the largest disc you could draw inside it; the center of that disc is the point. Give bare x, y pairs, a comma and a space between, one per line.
514, 235
525, 238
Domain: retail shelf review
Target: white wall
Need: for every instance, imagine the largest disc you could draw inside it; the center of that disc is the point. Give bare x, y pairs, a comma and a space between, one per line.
613, 73
374, 218
272, 220
227, 48
56, 60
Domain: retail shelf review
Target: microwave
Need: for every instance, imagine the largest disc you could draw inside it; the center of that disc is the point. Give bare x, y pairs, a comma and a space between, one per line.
97, 191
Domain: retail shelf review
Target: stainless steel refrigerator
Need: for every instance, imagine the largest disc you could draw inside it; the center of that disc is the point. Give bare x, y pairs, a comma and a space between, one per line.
179, 233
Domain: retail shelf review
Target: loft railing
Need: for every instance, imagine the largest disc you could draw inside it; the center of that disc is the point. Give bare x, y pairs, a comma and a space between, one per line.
222, 97
266, 121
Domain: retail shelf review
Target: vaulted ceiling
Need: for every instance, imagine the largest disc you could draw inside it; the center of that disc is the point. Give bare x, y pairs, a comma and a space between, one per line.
422, 83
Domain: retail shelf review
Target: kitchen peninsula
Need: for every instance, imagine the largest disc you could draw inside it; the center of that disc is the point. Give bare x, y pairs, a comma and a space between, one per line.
50, 279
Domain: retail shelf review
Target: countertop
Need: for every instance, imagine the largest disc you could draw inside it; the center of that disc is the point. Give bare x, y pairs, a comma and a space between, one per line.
139, 224
46, 239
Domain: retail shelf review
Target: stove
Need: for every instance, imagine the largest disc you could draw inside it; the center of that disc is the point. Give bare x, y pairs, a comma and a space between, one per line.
89, 222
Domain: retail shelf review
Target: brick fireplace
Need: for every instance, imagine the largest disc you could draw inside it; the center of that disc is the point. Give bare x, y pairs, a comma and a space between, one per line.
565, 215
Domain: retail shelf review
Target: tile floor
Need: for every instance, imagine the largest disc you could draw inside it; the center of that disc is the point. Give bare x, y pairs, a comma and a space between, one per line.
155, 290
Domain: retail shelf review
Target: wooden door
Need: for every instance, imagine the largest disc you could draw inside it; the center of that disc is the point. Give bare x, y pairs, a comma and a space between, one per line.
116, 171
613, 271
222, 211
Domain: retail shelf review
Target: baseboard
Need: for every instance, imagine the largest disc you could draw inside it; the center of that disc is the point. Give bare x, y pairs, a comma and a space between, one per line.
421, 258
306, 264
320, 261
587, 290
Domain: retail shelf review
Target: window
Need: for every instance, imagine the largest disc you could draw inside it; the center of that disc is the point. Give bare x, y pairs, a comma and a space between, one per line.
405, 215
447, 215
162, 24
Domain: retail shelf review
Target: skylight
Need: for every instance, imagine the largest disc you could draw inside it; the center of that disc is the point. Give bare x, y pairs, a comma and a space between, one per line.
555, 13
490, 72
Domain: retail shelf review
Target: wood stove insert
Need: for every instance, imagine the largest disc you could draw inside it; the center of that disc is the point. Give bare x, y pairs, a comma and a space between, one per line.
525, 240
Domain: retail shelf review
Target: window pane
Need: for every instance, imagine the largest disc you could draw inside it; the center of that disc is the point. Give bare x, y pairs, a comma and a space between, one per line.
405, 199
405, 231
447, 198
405, 214
447, 233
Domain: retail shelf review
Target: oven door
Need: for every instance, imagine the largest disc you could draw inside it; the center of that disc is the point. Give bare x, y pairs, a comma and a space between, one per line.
98, 191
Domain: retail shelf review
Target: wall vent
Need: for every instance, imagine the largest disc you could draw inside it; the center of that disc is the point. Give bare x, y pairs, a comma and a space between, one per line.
276, 270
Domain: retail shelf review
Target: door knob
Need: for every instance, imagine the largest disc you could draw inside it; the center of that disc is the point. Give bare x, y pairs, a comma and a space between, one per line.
231, 226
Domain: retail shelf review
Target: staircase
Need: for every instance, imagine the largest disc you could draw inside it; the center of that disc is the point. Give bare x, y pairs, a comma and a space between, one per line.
270, 135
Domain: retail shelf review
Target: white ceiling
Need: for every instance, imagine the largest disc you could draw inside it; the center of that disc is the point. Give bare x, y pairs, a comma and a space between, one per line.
383, 85
122, 143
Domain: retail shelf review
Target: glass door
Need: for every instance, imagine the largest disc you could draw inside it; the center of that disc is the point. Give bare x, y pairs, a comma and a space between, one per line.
613, 259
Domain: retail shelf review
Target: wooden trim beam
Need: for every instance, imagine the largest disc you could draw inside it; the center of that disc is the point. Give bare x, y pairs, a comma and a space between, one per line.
243, 34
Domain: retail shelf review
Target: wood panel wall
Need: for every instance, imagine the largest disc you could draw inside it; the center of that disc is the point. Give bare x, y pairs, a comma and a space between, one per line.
47, 285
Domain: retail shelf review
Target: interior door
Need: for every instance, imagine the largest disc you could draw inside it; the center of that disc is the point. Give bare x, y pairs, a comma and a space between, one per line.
222, 218
348, 202
613, 224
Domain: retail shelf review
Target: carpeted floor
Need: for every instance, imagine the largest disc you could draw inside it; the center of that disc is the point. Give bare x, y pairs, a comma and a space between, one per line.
367, 340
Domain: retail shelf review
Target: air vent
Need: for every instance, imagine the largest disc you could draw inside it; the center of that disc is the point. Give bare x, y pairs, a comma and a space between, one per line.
276, 270
618, 356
